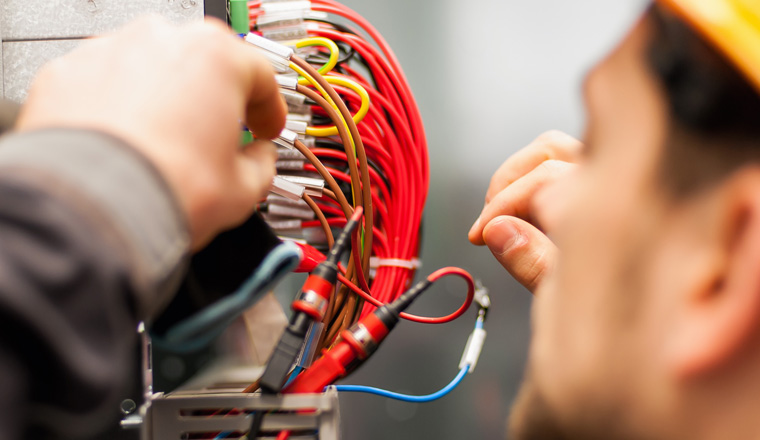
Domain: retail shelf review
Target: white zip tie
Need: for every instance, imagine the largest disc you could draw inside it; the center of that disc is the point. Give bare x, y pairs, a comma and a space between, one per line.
376, 262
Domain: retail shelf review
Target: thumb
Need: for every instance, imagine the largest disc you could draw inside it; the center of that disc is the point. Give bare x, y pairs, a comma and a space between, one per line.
256, 165
521, 248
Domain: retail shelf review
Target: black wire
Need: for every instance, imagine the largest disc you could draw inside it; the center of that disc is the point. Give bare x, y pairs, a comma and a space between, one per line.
356, 57
258, 418
340, 27
349, 54
320, 120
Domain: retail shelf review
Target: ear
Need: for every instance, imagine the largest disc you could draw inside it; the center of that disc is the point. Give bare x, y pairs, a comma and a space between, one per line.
717, 321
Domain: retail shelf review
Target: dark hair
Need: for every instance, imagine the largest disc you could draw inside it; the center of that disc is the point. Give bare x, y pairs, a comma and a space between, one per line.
706, 93
715, 111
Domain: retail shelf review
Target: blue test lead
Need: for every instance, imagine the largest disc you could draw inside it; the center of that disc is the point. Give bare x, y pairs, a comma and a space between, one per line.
467, 364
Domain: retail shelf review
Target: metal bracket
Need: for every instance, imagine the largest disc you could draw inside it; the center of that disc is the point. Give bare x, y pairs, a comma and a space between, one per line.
170, 417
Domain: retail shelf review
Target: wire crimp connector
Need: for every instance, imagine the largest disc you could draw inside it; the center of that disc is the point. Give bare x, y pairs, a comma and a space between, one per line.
478, 336
287, 138
277, 54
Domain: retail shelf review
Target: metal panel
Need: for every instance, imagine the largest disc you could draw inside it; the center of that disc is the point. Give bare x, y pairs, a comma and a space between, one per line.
22, 60
36, 31
62, 19
2, 79
168, 419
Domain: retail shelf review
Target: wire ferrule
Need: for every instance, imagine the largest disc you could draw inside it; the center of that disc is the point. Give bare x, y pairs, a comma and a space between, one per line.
473, 348
287, 82
287, 138
286, 188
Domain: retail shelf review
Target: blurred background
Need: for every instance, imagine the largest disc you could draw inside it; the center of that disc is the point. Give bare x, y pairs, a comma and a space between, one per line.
489, 76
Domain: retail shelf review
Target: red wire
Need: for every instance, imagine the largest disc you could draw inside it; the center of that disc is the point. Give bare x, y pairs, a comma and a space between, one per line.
435, 276
382, 242
331, 6
394, 140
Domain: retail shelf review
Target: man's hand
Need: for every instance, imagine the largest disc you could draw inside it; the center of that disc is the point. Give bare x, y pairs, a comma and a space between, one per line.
178, 95
508, 224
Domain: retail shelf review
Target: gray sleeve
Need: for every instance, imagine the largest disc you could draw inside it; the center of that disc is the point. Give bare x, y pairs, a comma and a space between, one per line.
109, 180
91, 242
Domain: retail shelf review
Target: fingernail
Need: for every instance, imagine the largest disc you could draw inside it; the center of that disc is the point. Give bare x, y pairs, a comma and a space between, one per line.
501, 235
475, 226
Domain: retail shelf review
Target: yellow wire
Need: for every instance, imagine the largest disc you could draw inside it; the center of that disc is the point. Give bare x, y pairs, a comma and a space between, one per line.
324, 42
307, 78
333, 130
363, 108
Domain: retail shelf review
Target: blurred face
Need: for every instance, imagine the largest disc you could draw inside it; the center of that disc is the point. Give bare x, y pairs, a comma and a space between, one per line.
597, 318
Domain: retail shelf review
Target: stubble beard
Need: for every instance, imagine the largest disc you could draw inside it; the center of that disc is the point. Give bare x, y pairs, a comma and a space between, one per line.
531, 418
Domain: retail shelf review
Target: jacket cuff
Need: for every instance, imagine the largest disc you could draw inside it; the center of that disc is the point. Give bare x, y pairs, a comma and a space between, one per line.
126, 188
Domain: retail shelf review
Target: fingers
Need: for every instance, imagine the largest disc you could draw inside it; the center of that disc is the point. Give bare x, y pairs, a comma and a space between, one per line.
265, 109
524, 251
552, 145
516, 199
256, 165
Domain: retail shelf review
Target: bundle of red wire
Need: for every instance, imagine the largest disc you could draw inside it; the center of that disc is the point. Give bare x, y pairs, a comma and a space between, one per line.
396, 162
368, 147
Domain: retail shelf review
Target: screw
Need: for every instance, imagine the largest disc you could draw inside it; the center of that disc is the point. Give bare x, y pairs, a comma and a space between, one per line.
128, 406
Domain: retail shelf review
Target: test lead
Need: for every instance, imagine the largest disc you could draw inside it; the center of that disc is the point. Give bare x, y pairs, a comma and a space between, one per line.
356, 344
311, 305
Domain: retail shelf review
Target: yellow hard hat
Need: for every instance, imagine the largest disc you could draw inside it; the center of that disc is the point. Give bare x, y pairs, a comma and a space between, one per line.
733, 26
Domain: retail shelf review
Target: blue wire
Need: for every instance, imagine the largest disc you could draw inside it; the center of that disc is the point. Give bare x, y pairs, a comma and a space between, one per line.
296, 371
405, 397
223, 435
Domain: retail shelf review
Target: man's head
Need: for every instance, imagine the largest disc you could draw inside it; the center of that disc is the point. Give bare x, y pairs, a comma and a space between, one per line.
649, 327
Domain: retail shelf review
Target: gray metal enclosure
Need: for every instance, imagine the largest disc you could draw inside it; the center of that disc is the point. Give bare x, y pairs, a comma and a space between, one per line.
36, 31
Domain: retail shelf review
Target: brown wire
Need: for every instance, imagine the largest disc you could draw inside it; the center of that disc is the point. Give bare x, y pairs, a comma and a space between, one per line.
360, 181
354, 305
363, 171
348, 210
335, 316
336, 301
322, 219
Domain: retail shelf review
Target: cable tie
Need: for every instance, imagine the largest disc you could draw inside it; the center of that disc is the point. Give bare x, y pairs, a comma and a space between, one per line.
413, 264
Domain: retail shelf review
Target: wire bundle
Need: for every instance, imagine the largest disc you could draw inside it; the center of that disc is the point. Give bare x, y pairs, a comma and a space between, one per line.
354, 138
365, 139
